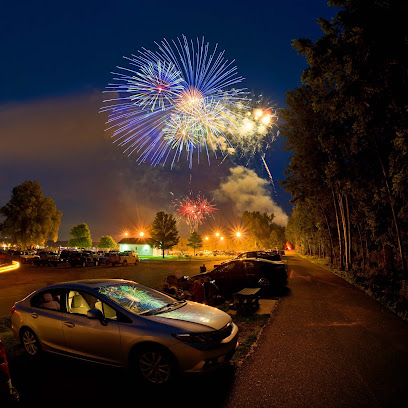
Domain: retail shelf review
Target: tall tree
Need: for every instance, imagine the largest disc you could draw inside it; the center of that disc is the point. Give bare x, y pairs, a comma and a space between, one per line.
81, 236
163, 231
106, 241
195, 241
262, 231
356, 86
30, 218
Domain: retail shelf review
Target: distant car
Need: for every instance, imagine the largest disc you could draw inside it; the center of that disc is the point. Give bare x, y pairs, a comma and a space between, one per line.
271, 255
82, 259
28, 257
8, 394
64, 255
233, 275
49, 258
5, 258
123, 258
122, 323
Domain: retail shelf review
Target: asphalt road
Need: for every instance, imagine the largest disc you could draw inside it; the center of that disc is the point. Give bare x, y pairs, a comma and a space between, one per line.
328, 346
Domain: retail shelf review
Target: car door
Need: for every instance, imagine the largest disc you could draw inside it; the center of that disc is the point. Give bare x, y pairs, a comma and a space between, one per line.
227, 277
252, 272
90, 338
46, 320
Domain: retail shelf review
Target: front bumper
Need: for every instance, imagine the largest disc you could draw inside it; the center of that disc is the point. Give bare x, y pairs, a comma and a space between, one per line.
193, 360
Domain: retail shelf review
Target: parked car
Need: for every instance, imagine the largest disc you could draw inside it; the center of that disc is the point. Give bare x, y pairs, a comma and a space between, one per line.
122, 323
92, 254
271, 255
233, 275
8, 394
104, 258
49, 258
82, 259
123, 258
28, 257
65, 254
5, 258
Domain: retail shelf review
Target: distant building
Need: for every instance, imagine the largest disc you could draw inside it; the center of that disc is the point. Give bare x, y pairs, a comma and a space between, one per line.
140, 245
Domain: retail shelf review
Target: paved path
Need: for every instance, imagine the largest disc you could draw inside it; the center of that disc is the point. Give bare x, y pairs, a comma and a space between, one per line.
329, 345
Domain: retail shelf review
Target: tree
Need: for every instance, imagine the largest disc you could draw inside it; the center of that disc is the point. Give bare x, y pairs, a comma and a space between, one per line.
195, 241
263, 232
106, 241
163, 231
81, 236
346, 128
30, 218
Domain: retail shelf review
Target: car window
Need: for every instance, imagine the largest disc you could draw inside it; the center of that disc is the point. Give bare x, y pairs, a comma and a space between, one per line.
136, 298
250, 267
226, 269
48, 299
80, 302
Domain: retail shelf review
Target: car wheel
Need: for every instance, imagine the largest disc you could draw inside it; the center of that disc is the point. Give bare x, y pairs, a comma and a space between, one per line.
124, 263
155, 365
30, 343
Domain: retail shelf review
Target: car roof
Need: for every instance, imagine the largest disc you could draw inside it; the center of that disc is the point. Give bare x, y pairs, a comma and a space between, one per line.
85, 284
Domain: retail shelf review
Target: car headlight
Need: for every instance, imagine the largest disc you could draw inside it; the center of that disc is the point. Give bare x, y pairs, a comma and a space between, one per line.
193, 337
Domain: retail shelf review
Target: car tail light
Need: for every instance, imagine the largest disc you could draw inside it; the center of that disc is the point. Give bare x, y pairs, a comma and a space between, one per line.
4, 368
13, 309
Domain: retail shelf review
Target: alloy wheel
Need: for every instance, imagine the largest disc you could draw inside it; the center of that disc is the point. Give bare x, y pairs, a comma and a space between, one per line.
155, 367
30, 343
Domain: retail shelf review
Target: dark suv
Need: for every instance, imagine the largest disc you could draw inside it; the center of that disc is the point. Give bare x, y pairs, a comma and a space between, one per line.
236, 274
82, 258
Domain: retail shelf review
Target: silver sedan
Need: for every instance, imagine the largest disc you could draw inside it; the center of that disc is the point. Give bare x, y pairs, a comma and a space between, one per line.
122, 323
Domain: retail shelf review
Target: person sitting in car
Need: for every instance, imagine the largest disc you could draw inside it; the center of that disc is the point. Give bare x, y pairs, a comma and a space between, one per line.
49, 302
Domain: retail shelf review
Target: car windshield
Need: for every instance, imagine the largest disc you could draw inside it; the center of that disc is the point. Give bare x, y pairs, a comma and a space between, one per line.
139, 299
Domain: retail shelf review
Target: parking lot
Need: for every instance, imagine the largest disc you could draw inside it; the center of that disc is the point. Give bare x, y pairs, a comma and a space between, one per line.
19, 283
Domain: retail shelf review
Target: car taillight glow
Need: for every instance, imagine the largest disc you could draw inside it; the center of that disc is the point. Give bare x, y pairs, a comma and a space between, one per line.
13, 309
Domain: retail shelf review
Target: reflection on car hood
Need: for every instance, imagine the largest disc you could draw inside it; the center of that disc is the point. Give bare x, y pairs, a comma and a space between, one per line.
198, 313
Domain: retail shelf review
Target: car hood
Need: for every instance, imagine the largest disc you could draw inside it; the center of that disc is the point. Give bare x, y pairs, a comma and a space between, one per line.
199, 314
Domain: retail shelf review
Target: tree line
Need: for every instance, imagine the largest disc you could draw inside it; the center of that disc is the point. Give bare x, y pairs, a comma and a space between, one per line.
30, 219
346, 127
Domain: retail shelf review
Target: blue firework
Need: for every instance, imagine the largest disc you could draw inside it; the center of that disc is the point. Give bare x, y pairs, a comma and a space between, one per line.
177, 99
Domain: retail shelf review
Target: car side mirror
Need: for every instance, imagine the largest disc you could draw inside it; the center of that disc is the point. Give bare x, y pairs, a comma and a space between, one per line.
96, 314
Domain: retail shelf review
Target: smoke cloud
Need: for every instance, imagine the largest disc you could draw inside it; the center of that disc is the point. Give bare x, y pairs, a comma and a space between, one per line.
248, 192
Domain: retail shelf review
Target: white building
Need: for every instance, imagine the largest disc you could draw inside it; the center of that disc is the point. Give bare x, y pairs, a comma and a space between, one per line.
140, 245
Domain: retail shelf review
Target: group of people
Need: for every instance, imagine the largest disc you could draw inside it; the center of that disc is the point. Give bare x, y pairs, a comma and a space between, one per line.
201, 290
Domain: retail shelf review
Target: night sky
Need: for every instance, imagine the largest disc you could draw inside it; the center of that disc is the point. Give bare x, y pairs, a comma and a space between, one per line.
57, 58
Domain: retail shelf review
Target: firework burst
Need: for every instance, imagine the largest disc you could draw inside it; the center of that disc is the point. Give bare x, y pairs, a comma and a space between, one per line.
194, 210
256, 124
176, 99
